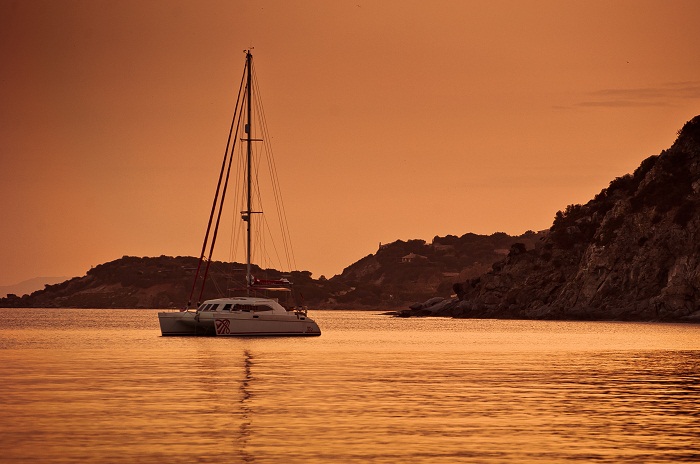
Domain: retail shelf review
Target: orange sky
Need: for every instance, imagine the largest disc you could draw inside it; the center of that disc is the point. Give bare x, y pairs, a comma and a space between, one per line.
390, 120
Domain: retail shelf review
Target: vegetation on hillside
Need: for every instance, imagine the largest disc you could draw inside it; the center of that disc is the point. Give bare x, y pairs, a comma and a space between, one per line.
630, 253
398, 274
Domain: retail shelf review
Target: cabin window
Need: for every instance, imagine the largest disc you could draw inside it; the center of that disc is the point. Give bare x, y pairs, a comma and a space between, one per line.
227, 307
249, 307
244, 307
213, 307
262, 308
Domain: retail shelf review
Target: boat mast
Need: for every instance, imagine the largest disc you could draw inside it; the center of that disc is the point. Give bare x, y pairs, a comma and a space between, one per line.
249, 131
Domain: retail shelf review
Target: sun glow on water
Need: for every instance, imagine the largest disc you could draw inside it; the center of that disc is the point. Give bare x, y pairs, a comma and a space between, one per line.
103, 386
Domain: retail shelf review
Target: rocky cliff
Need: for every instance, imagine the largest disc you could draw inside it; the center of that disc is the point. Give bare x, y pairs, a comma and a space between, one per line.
631, 253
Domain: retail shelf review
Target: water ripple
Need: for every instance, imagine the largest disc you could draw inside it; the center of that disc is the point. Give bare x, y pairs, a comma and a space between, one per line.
103, 386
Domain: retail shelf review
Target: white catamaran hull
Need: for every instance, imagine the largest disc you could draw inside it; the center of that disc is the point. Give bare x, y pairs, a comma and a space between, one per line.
236, 324
263, 324
185, 323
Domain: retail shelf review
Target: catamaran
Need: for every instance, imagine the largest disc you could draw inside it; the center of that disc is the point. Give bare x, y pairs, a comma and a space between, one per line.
250, 314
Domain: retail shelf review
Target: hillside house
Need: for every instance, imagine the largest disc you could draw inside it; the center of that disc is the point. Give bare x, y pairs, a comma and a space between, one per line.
411, 257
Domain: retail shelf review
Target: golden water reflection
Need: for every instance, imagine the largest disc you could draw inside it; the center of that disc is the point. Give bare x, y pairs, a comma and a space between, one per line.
103, 386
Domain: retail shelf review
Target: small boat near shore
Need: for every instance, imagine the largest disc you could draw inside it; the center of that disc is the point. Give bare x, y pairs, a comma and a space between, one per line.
250, 314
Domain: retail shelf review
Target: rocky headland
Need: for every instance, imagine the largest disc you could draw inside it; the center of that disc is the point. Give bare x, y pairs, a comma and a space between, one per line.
632, 253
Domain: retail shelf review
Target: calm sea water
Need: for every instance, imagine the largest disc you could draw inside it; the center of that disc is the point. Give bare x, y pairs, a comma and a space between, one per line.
104, 386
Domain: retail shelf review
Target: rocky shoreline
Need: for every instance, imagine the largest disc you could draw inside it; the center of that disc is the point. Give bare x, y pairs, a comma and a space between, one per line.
632, 253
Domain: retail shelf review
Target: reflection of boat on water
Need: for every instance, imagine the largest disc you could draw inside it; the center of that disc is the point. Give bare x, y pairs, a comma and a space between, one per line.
241, 315
244, 432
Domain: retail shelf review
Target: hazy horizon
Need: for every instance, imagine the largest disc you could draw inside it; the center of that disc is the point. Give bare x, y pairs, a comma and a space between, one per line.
394, 120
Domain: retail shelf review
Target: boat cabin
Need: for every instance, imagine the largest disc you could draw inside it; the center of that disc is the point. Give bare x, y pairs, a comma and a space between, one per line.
243, 304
